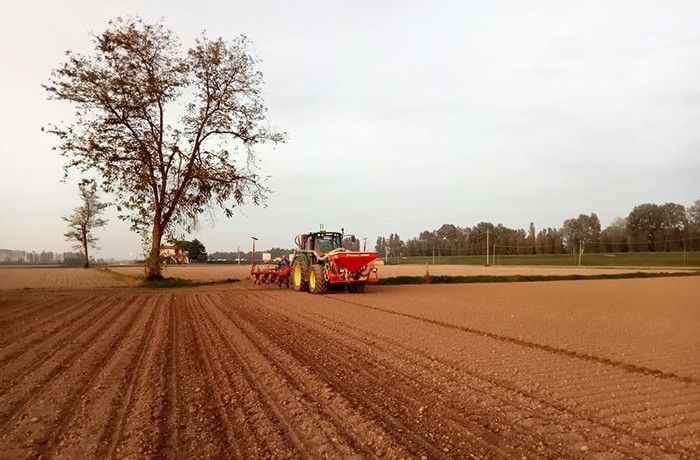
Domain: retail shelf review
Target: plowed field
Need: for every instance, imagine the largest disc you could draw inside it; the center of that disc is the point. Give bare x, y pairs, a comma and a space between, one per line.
572, 369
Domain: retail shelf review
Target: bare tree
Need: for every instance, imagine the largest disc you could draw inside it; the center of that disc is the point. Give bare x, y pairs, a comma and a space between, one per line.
84, 220
161, 128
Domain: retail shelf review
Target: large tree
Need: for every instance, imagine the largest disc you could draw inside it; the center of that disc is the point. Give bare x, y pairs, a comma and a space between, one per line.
694, 214
615, 236
84, 220
645, 224
675, 221
582, 232
162, 128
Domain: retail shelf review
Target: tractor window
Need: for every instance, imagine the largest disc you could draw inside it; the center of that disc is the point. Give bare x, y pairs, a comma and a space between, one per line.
327, 243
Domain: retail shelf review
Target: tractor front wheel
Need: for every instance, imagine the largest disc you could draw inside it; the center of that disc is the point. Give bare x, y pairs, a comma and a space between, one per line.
318, 280
300, 278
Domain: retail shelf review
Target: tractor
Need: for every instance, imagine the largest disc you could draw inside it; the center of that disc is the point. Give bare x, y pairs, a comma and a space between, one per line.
324, 259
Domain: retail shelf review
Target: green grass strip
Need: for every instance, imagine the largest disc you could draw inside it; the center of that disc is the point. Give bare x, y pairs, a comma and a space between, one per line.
443, 279
180, 282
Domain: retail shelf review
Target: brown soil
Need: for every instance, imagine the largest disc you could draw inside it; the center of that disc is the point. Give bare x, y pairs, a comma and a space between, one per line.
586, 369
222, 272
62, 278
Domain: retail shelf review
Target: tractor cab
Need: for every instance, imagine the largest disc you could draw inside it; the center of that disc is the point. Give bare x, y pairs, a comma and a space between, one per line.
325, 242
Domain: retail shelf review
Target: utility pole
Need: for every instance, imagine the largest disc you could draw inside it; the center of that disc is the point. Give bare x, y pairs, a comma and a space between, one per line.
239, 254
580, 252
487, 248
252, 263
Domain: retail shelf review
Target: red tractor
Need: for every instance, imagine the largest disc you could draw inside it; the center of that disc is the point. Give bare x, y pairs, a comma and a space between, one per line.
325, 259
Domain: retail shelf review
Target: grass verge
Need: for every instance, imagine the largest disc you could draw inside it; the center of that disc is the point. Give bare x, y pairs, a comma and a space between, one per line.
442, 279
180, 282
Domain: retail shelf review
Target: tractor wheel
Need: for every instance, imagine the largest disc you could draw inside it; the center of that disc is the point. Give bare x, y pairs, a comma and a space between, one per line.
356, 288
318, 279
300, 277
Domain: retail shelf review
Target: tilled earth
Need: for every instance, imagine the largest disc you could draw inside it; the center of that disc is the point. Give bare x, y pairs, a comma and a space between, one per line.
585, 369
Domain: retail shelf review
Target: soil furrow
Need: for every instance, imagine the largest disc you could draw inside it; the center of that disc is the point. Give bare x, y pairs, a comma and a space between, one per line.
402, 353
340, 424
393, 402
264, 408
130, 385
199, 421
240, 438
550, 349
28, 385
42, 309
170, 421
105, 393
54, 399
453, 402
44, 336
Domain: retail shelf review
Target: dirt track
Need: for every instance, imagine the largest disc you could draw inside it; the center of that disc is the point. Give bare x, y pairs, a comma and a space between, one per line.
587, 369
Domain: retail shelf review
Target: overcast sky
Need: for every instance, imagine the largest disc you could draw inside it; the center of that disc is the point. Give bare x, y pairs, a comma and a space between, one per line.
402, 115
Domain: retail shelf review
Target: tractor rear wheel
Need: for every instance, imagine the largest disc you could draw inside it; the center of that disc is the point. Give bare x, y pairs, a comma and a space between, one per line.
318, 279
300, 277
356, 288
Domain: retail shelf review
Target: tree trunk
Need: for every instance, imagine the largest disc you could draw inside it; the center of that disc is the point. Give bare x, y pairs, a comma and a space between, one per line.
153, 262
86, 260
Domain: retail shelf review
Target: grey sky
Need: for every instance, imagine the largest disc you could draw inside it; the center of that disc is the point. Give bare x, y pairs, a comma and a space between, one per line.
402, 115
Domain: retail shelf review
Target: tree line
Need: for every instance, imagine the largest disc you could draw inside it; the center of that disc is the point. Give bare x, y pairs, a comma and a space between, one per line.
246, 256
647, 228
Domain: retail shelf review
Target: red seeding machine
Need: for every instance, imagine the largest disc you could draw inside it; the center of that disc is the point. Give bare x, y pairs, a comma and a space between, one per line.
267, 273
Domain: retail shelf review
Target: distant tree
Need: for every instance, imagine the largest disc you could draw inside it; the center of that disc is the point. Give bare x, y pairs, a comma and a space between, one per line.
693, 230
694, 214
381, 246
477, 239
197, 252
534, 247
396, 245
614, 238
161, 128
645, 225
582, 232
428, 242
675, 221
84, 220
550, 241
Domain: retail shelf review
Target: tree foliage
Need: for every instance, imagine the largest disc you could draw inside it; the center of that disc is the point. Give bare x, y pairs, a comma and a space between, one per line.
694, 214
197, 252
84, 220
163, 128
645, 223
581, 230
390, 248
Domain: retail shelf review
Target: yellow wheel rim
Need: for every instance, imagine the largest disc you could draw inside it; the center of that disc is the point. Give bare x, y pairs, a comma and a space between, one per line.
297, 275
312, 281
